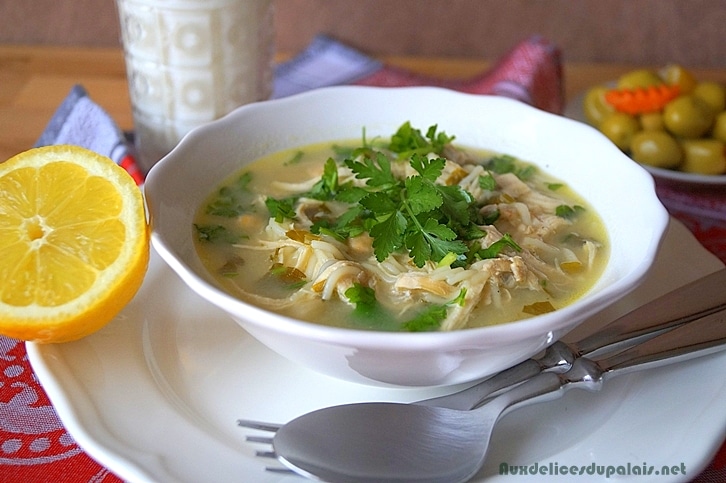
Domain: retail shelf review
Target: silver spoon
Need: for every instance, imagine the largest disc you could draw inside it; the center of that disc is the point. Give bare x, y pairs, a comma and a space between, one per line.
391, 442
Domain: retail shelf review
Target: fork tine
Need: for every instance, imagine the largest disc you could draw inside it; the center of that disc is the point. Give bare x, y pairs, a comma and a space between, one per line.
275, 469
259, 439
262, 426
248, 423
266, 454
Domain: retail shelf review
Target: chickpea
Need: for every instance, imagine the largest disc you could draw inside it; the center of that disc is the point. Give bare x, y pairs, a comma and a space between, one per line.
656, 148
703, 156
688, 116
620, 128
595, 106
639, 78
713, 94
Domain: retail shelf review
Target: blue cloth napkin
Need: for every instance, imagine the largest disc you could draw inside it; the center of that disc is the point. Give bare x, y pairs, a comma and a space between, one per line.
82, 122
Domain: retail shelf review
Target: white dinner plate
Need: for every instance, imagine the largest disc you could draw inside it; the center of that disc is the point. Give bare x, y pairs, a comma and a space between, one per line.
574, 110
155, 395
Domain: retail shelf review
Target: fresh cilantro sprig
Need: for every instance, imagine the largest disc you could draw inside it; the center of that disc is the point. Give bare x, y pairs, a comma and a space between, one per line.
409, 140
415, 213
427, 220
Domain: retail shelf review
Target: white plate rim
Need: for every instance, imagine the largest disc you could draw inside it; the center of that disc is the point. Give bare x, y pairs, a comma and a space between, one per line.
101, 402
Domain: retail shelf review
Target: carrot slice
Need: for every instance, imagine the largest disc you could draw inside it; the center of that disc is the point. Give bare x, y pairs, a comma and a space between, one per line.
642, 99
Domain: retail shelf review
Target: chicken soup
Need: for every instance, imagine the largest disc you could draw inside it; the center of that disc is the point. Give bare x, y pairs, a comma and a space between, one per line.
411, 233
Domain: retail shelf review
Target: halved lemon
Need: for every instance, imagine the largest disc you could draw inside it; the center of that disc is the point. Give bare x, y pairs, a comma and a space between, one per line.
74, 243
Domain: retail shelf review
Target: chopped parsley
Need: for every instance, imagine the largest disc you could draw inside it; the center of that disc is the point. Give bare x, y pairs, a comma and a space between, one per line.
505, 163
487, 182
281, 209
429, 319
215, 234
232, 200
493, 250
430, 221
296, 158
568, 212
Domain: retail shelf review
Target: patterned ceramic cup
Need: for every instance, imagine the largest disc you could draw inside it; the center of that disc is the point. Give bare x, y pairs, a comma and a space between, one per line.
189, 62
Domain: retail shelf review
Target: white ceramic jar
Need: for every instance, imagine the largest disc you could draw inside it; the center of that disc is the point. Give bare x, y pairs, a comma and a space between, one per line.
189, 62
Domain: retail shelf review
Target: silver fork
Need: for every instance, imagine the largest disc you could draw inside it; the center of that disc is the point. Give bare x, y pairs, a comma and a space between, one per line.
394, 442
690, 302
697, 299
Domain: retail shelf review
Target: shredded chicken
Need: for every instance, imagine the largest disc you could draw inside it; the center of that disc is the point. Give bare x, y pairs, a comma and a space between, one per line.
542, 266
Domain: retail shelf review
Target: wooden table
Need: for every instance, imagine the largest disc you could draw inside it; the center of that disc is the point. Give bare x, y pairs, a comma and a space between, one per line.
35, 79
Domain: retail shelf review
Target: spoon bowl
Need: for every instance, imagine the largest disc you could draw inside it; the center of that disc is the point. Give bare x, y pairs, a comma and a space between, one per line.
391, 442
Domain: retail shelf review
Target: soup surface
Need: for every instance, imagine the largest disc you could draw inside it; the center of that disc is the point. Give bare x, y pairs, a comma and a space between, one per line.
411, 233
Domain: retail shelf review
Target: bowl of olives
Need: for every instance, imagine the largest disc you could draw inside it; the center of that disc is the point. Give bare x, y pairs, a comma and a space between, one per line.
666, 119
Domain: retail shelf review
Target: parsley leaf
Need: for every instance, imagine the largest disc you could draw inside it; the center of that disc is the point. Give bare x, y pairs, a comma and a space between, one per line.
295, 159
487, 182
429, 169
232, 200
388, 235
493, 250
377, 172
364, 298
409, 140
281, 209
368, 313
458, 203
428, 320
326, 187
216, 234
432, 222
413, 213
568, 212
505, 163
432, 241
421, 195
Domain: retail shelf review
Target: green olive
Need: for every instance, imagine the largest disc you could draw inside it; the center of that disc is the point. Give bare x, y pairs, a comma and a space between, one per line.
703, 156
719, 127
620, 128
652, 121
656, 148
595, 107
688, 117
639, 78
677, 75
712, 93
